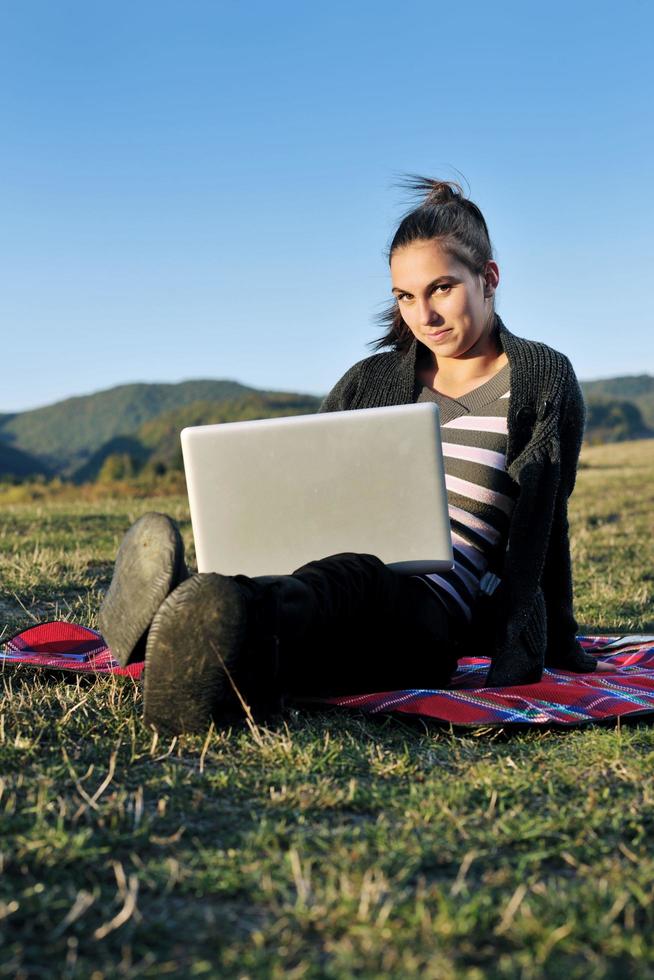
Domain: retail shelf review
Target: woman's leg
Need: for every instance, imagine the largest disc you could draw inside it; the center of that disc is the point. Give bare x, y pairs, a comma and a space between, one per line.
345, 624
373, 630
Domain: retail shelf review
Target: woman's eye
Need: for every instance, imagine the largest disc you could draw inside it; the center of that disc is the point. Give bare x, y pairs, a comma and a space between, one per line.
404, 297
443, 287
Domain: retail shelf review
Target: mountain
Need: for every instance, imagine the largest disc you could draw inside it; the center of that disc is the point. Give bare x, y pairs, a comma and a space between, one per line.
613, 420
15, 463
64, 437
635, 388
156, 443
124, 429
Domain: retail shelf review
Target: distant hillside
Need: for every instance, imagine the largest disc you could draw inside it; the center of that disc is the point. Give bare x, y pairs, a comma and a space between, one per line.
156, 444
613, 420
63, 437
637, 389
124, 429
15, 463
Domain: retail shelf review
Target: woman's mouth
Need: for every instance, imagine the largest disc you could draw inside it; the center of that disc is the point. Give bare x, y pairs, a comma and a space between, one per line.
436, 335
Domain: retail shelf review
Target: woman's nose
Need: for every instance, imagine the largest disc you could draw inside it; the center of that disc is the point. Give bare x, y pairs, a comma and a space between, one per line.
427, 312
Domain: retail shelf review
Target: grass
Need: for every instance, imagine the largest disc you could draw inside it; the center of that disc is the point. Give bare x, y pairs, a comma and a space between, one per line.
333, 845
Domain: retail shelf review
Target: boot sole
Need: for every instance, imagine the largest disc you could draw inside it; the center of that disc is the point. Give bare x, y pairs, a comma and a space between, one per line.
149, 565
192, 650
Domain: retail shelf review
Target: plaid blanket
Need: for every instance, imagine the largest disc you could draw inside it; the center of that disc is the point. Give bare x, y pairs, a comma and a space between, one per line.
64, 646
623, 686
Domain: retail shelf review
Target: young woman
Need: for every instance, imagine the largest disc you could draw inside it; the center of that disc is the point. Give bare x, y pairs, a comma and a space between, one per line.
512, 423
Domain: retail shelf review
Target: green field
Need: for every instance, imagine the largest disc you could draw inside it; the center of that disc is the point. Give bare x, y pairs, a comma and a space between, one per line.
330, 845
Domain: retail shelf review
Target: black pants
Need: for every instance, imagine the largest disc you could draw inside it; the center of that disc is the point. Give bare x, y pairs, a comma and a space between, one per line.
353, 625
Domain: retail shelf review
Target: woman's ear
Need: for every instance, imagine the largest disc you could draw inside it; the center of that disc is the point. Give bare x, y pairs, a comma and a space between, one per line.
491, 277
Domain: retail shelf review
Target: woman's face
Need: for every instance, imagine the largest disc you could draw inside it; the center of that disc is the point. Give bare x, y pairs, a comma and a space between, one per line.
445, 305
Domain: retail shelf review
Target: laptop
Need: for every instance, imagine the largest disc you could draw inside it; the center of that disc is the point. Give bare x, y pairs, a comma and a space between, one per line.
271, 495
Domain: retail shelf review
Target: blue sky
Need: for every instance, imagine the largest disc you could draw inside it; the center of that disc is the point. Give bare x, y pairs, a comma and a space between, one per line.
206, 189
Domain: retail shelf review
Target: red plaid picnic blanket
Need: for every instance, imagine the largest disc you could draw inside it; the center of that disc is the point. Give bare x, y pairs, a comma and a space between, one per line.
624, 687
64, 646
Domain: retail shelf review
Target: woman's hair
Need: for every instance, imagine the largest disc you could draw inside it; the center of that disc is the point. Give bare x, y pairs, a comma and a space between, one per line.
444, 215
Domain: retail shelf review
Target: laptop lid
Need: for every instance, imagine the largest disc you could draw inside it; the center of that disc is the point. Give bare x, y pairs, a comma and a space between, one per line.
271, 495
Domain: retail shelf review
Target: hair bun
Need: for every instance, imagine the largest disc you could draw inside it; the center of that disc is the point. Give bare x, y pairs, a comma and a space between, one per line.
443, 191
434, 191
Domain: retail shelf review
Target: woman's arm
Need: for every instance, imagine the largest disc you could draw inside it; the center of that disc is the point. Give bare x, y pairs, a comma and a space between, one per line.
342, 394
563, 648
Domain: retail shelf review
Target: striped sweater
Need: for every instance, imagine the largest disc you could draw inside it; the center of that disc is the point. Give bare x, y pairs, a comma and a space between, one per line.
480, 493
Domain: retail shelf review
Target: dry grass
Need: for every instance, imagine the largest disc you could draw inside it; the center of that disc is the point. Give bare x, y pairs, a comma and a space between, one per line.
332, 845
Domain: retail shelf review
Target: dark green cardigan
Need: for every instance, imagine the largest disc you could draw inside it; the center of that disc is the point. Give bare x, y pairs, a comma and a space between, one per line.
528, 622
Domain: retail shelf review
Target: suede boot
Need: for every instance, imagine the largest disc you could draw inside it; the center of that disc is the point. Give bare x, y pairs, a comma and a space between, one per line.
149, 566
213, 650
